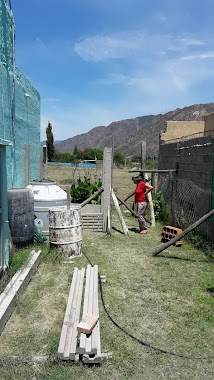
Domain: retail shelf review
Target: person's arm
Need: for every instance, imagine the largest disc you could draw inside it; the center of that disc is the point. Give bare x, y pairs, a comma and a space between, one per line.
148, 188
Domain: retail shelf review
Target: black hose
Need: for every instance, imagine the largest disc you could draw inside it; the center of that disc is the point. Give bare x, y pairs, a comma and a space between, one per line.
143, 343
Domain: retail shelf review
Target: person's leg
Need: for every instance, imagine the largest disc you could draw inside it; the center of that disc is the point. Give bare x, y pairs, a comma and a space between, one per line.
140, 215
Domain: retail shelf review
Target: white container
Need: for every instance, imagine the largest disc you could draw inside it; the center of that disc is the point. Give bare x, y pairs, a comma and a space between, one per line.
47, 194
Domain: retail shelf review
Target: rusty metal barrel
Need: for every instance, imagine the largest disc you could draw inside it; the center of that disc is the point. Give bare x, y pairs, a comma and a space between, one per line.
65, 230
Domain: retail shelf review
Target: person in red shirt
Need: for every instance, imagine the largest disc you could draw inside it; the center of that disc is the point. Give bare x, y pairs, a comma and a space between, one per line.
141, 191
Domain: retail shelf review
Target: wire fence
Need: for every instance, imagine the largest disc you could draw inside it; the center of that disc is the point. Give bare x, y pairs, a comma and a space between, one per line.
188, 203
188, 137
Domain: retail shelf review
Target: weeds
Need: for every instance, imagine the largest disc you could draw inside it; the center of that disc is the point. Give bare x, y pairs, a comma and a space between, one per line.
161, 208
17, 260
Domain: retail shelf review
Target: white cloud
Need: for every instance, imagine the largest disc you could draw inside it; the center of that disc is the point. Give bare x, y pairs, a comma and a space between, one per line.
155, 73
133, 45
204, 55
101, 48
190, 41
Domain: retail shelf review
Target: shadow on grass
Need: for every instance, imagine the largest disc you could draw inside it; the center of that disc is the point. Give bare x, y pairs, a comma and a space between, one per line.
133, 229
115, 229
186, 259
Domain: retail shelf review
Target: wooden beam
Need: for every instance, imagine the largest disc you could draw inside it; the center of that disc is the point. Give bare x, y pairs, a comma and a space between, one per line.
92, 197
87, 324
185, 232
119, 213
152, 171
127, 197
128, 208
68, 191
149, 195
68, 338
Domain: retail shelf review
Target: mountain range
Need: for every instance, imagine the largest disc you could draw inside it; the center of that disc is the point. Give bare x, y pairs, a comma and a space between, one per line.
126, 135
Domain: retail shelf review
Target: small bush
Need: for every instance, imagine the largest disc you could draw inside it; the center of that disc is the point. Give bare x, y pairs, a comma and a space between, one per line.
161, 208
85, 189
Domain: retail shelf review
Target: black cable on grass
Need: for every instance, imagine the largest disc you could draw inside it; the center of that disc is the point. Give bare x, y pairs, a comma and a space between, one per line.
143, 343
88, 259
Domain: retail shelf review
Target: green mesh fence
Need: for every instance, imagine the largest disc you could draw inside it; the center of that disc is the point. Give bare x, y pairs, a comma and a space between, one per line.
19, 107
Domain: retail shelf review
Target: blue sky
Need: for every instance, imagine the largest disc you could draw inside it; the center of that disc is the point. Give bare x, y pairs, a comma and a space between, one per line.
98, 61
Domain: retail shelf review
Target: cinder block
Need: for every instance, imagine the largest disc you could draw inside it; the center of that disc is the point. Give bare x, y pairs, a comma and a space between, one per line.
169, 232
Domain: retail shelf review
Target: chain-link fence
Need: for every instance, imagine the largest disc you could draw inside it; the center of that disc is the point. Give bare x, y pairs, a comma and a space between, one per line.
188, 203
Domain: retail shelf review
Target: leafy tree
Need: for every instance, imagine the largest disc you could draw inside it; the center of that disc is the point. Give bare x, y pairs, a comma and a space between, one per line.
63, 156
76, 151
98, 153
119, 158
90, 154
50, 142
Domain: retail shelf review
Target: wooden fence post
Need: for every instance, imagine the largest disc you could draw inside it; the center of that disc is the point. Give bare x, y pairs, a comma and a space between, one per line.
143, 154
149, 195
106, 184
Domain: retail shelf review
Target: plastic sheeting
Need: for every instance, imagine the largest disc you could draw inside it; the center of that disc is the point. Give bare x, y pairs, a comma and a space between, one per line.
19, 108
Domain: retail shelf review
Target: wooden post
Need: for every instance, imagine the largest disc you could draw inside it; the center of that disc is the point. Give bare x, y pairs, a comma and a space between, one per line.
109, 222
155, 182
68, 190
41, 164
106, 183
45, 161
27, 165
143, 154
119, 213
149, 195
128, 208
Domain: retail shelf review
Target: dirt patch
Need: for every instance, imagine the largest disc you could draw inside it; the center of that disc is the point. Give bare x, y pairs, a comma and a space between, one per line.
4, 280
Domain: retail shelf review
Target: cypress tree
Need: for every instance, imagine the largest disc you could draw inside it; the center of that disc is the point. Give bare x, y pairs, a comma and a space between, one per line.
50, 142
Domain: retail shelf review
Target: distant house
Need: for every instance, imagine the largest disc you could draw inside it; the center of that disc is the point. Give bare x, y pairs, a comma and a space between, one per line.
19, 125
188, 148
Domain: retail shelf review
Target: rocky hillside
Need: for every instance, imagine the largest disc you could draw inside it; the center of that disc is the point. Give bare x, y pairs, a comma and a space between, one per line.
126, 135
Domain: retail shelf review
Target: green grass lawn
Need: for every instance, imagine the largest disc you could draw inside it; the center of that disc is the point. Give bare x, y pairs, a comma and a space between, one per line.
161, 300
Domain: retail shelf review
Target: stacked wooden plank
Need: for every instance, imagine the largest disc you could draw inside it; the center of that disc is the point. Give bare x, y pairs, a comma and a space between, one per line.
89, 347
68, 339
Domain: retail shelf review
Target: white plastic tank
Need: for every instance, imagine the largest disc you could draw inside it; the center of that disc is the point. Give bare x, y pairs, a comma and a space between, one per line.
47, 194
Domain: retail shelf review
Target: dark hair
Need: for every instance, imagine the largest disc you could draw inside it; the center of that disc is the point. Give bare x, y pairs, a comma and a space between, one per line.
136, 178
